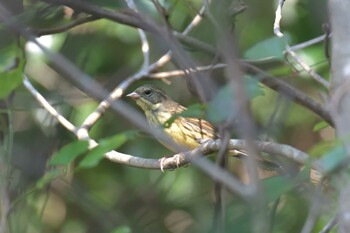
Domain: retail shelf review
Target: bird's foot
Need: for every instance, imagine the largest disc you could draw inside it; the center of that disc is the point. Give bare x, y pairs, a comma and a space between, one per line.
162, 160
177, 157
161, 163
202, 140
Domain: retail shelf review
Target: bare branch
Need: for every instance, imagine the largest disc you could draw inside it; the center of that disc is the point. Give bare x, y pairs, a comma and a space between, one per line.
289, 50
307, 68
168, 74
124, 17
143, 37
61, 119
308, 43
63, 28
314, 210
285, 89
278, 17
329, 226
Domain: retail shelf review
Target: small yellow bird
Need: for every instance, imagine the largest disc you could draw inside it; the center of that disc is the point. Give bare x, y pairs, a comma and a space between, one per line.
159, 108
188, 132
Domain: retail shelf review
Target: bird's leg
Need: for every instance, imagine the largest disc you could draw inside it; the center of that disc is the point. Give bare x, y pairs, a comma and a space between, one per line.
177, 157
202, 140
162, 160
161, 163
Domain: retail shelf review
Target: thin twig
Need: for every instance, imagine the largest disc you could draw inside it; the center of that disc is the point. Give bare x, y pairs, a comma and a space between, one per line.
329, 225
278, 17
307, 68
168, 74
308, 43
124, 17
290, 51
64, 28
61, 119
328, 35
314, 211
285, 89
143, 37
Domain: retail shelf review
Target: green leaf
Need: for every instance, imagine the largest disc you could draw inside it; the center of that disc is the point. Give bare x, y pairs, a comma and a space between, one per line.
121, 229
333, 158
105, 145
223, 106
195, 111
11, 68
275, 186
269, 48
69, 152
253, 87
48, 177
304, 174
323, 147
320, 125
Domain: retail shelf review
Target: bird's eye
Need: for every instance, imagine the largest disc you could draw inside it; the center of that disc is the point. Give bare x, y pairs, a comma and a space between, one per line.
147, 92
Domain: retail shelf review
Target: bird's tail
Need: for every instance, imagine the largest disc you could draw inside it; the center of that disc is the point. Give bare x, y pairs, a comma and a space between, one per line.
270, 165
263, 162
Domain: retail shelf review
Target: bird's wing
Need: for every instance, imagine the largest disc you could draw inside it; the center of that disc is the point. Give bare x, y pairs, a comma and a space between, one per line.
200, 129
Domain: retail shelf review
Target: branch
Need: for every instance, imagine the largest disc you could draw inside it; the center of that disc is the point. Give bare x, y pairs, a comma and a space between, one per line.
63, 28
126, 17
172, 73
144, 41
287, 90
309, 42
289, 50
61, 119
329, 225
314, 75
278, 17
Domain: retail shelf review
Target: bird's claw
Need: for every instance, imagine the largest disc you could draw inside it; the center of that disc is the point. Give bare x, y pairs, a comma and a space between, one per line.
177, 157
162, 160
161, 163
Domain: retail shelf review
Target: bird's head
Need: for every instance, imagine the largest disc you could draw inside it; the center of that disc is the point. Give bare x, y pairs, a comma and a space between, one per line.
149, 97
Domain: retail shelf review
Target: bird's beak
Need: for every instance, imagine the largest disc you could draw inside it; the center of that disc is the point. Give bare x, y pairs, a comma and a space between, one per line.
133, 95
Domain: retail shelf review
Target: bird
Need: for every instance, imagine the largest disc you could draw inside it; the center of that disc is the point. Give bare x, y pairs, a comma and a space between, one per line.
188, 132
159, 108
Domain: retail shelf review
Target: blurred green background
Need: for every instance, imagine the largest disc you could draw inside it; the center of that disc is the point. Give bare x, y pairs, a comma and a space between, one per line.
113, 198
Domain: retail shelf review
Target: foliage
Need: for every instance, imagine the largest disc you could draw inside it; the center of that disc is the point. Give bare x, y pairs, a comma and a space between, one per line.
55, 183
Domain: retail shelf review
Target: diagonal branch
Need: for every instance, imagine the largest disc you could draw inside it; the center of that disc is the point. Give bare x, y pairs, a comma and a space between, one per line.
63, 28
127, 17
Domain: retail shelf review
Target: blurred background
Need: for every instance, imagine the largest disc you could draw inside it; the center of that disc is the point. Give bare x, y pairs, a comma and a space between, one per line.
113, 198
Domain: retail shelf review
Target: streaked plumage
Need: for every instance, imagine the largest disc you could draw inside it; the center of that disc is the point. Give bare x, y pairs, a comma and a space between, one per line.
159, 108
